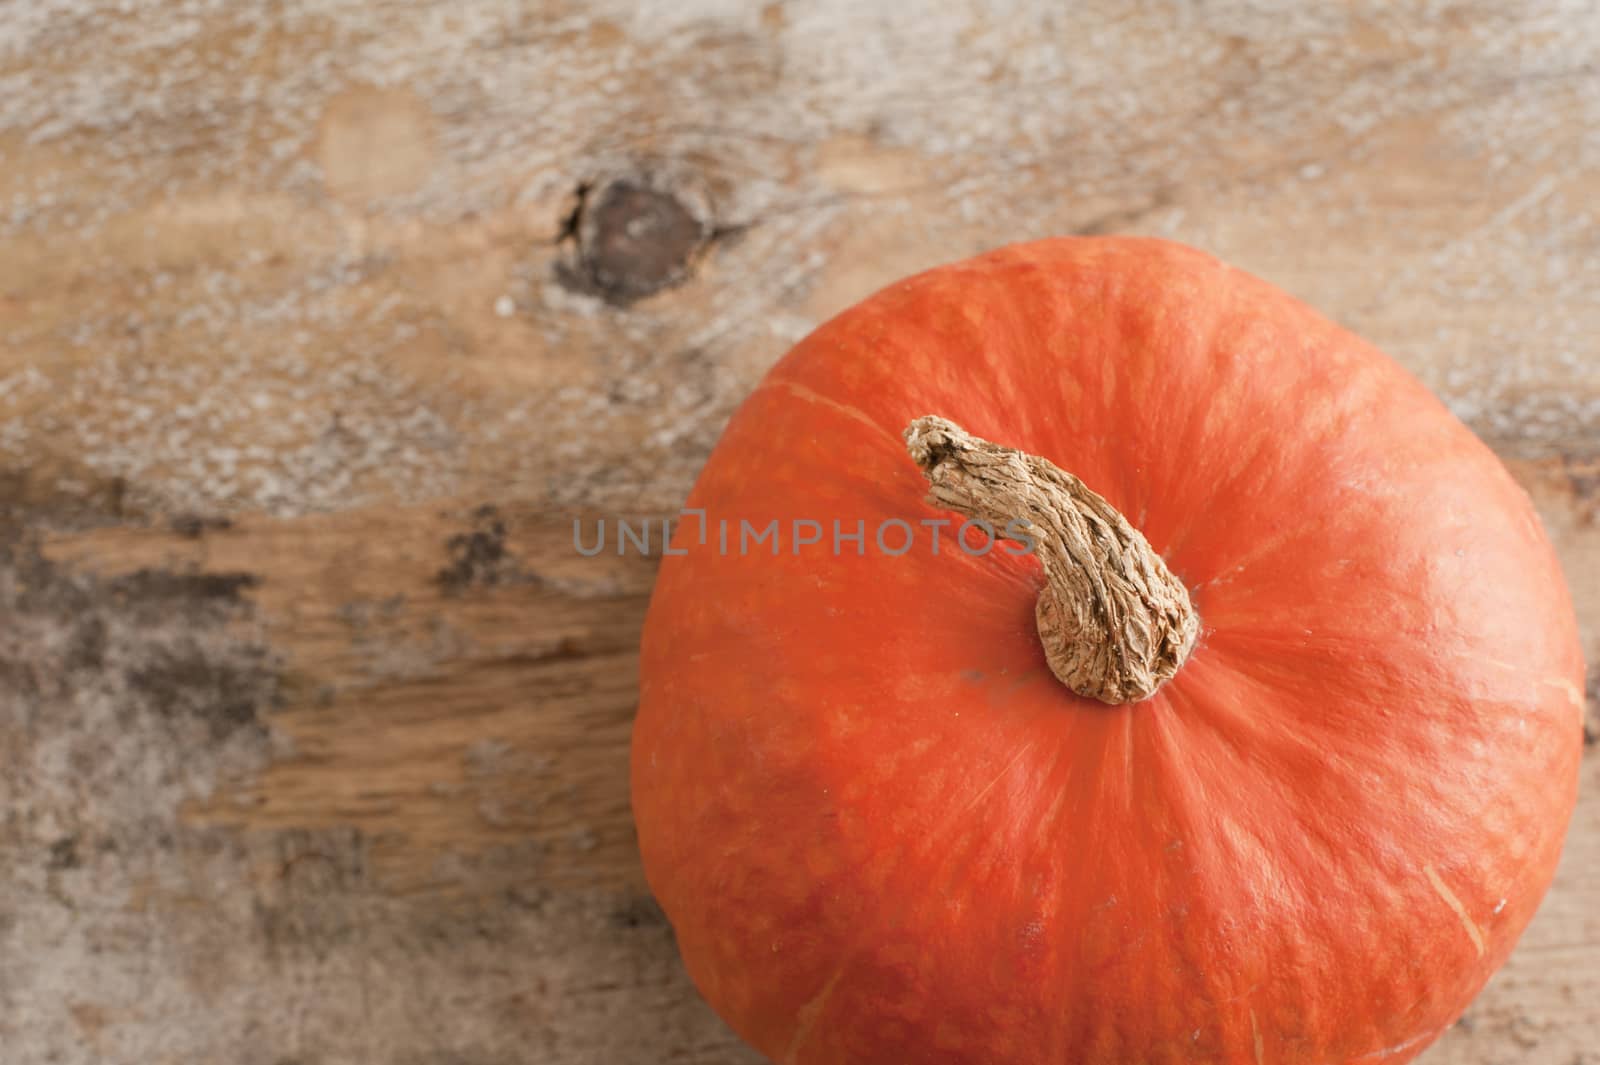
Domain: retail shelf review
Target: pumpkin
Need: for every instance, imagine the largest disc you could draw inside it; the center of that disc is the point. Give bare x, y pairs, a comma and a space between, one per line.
1252, 740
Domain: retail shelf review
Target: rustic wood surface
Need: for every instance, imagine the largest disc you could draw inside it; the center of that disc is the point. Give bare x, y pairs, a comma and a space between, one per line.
320, 319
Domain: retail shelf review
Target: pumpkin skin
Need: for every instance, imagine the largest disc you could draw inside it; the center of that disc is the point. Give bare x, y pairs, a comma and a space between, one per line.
884, 832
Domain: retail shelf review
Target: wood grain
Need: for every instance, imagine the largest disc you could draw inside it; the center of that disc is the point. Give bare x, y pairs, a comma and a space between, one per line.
322, 320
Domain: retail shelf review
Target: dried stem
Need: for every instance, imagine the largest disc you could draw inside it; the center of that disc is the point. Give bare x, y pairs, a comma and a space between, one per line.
1116, 624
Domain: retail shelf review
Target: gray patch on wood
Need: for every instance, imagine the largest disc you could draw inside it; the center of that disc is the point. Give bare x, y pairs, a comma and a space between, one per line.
120, 698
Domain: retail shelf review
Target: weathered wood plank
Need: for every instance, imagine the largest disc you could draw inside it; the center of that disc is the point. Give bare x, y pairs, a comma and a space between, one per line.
306, 761
448, 677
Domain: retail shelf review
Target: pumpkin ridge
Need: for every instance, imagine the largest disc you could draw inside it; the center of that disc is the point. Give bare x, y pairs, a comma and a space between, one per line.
810, 395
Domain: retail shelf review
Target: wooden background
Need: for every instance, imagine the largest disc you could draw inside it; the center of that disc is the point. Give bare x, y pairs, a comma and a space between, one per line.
319, 319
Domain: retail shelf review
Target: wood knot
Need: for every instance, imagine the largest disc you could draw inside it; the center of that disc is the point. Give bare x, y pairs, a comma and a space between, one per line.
635, 235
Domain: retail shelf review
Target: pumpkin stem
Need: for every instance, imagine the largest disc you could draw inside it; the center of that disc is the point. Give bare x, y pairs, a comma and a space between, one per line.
1115, 622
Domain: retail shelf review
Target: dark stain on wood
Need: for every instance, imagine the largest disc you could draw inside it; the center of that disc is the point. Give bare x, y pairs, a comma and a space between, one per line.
158, 635
195, 526
1583, 479
478, 557
63, 854
152, 586
86, 649
639, 911
225, 692
1591, 708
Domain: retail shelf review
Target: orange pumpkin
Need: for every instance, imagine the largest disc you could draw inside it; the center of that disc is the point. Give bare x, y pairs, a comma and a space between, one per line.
885, 829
